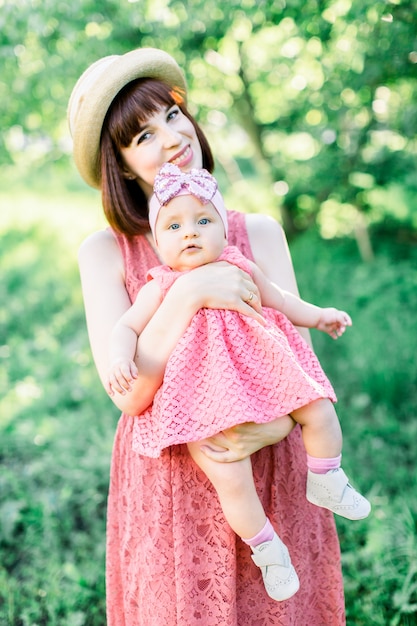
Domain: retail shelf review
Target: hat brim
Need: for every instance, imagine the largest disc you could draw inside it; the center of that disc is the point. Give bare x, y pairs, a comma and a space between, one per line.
92, 106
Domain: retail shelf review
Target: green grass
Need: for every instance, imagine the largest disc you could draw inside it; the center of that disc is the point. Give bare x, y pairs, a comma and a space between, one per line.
57, 425
374, 370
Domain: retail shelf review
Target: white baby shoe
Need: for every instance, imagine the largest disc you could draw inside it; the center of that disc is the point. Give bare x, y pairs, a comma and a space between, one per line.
334, 492
279, 576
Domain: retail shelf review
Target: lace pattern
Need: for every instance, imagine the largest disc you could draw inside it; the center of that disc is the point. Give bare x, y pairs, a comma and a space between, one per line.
227, 369
172, 560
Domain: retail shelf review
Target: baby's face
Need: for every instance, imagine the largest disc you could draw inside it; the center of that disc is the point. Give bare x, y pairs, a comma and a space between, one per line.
189, 233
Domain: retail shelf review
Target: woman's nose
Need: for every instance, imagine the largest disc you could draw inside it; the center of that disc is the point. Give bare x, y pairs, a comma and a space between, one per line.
170, 137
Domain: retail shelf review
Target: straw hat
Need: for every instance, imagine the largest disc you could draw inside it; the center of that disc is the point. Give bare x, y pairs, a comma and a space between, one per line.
96, 89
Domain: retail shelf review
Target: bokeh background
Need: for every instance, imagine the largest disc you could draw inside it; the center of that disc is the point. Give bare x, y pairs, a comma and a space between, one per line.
311, 110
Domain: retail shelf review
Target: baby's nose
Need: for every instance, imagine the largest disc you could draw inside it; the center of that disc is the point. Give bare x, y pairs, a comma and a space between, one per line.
191, 232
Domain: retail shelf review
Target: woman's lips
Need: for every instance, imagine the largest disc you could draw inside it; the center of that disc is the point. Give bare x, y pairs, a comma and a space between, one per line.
183, 158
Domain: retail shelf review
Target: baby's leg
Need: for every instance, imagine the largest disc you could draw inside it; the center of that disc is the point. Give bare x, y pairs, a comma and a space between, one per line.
322, 434
327, 484
236, 490
245, 514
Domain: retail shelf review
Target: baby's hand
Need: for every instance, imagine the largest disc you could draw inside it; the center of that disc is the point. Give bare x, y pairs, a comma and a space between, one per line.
121, 376
333, 322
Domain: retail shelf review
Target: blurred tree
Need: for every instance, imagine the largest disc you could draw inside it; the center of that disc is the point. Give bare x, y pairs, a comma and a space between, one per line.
310, 105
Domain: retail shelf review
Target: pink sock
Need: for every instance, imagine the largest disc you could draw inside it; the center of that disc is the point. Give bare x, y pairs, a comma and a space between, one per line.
322, 466
266, 534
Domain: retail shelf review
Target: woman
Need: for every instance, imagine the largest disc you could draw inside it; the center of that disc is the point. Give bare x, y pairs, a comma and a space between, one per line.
171, 558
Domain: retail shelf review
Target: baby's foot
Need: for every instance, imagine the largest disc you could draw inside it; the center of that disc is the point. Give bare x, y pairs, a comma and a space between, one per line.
279, 576
334, 492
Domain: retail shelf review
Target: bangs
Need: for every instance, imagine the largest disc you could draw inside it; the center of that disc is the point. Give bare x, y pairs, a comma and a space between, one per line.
134, 104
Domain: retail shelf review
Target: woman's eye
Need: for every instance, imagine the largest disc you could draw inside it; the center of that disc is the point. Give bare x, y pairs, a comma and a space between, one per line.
143, 137
173, 113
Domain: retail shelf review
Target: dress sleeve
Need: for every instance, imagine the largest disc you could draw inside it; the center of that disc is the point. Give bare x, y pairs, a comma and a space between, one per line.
238, 234
164, 276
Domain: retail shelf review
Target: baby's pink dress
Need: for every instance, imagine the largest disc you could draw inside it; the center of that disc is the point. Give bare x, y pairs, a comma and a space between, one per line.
172, 559
228, 369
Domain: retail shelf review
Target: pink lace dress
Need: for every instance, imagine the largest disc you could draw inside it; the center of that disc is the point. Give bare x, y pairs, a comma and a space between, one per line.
172, 559
227, 369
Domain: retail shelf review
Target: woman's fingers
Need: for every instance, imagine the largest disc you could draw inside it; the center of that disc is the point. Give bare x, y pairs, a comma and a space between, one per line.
241, 441
222, 285
221, 455
251, 306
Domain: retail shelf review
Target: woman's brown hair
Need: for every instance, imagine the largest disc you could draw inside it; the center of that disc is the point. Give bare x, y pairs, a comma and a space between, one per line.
125, 204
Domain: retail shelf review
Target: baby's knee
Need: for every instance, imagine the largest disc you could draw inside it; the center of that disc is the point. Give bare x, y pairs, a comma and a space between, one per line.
230, 477
321, 410
212, 469
328, 412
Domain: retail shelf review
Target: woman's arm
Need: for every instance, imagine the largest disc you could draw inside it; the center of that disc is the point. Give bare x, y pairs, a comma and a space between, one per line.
218, 285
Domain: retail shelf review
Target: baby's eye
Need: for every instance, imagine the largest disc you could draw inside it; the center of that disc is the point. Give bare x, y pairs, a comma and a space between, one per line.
204, 220
173, 227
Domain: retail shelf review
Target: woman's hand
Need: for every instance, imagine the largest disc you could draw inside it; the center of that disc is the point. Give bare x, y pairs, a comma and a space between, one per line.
239, 442
222, 285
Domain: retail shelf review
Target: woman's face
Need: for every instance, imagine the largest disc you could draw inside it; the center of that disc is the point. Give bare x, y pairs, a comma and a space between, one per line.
166, 136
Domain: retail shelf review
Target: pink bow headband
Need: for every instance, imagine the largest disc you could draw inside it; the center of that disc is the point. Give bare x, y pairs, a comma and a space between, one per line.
171, 182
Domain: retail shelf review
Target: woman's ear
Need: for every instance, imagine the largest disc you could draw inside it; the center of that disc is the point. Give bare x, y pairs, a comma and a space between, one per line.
128, 175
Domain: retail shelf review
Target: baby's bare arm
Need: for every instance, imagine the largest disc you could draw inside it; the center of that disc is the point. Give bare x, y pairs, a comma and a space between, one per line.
124, 337
301, 313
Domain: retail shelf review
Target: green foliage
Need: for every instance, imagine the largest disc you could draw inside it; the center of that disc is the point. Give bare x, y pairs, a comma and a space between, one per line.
373, 368
55, 441
304, 102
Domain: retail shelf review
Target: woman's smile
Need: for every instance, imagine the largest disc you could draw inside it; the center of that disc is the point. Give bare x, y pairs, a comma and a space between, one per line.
183, 158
